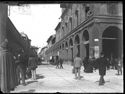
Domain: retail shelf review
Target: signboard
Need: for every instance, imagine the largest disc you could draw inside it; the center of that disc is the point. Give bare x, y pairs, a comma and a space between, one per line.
96, 54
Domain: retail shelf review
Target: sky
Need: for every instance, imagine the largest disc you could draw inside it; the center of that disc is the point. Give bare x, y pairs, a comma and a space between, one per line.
38, 21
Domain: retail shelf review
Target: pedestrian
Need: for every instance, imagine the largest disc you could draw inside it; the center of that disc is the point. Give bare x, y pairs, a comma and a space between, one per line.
57, 61
20, 71
108, 61
24, 61
60, 63
90, 66
32, 65
85, 64
102, 64
119, 67
77, 66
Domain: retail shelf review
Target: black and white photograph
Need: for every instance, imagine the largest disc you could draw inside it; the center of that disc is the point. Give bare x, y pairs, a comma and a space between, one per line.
61, 47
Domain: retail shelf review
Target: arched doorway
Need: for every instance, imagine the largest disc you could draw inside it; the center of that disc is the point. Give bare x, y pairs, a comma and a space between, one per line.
85, 39
77, 43
112, 42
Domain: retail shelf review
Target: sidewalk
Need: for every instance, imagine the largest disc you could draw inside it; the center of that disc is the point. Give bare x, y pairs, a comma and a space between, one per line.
51, 80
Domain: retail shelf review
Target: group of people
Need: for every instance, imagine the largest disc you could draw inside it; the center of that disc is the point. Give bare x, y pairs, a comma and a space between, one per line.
100, 63
59, 62
24, 71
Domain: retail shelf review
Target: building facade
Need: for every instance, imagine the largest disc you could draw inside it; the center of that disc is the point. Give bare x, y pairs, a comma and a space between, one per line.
50, 43
88, 29
42, 54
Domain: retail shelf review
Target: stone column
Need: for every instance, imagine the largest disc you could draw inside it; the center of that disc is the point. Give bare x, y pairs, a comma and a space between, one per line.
3, 49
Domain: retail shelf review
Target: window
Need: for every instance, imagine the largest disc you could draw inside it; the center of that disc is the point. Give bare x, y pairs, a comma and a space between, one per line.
77, 17
66, 27
88, 11
112, 8
70, 24
63, 32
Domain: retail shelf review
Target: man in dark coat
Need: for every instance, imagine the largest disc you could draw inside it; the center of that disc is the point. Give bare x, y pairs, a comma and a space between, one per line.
20, 70
85, 63
102, 63
32, 63
57, 61
61, 62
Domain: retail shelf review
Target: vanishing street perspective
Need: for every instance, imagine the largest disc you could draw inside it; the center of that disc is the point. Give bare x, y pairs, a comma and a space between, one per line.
61, 47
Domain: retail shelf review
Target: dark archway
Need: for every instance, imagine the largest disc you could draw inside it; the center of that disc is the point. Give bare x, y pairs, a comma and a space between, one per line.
77, 17
60, 47
112, 42
63, 46
70, 24
77, 42
71, 46
70, 42
85, 39
66, 45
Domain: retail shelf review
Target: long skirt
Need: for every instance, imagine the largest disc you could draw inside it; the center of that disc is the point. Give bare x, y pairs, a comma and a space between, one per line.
7, 72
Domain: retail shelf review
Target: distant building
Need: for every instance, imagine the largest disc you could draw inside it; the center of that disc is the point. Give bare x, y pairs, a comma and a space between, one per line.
88, 29
42, 52
51, 41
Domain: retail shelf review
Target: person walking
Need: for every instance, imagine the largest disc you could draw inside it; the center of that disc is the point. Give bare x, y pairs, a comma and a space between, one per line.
19, 71
102, 64
57, 61
119, 67
32, 64
77, 66
61, 62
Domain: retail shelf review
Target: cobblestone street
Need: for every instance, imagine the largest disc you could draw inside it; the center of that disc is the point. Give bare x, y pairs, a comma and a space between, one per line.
50, 79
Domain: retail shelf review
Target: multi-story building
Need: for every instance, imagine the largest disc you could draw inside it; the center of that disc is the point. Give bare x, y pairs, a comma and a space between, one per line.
42, 54
88, 29
50, 43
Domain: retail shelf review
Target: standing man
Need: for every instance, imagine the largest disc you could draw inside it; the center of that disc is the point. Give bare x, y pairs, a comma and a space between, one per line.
77, 66
102, 64
32, 64
57, 61
61, 62
119, 66
20, 70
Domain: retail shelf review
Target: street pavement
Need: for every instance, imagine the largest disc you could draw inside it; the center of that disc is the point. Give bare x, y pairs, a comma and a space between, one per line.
52, 80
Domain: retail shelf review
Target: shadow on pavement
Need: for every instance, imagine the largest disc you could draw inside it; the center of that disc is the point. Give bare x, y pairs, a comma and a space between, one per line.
44, 64
29, 91
29, 82
39, 76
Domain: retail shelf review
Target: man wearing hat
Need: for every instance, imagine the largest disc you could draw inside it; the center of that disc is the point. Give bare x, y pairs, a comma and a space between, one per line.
102, 63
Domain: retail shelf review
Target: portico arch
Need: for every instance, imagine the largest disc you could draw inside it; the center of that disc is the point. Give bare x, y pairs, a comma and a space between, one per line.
77, 45
85, 39
112, 42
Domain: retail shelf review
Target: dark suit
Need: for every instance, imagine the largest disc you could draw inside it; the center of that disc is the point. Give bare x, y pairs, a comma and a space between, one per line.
101, 64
